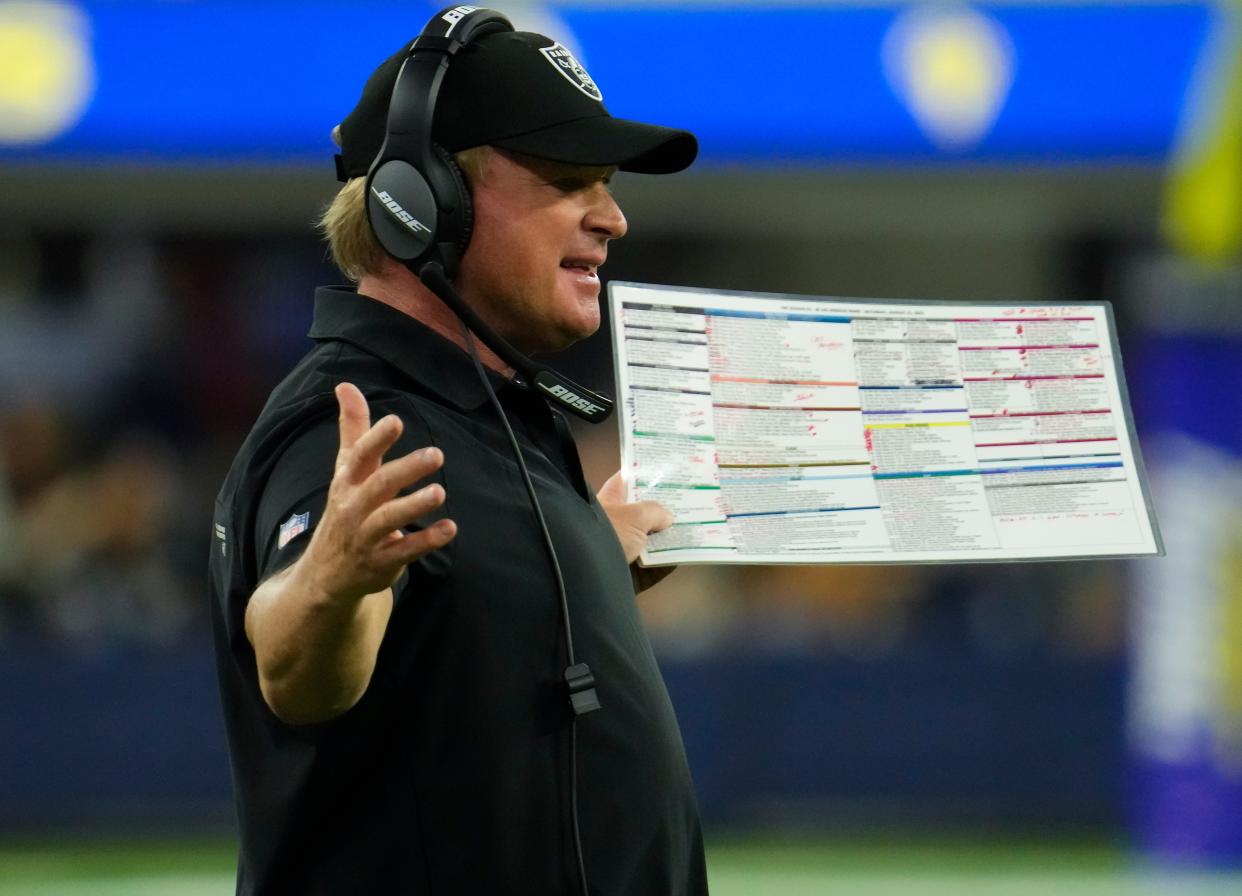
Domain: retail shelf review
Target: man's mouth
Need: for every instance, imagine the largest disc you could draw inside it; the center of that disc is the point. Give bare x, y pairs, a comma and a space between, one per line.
582, 265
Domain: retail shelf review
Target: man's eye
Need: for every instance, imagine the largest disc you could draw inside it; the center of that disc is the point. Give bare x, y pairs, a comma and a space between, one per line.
572, 183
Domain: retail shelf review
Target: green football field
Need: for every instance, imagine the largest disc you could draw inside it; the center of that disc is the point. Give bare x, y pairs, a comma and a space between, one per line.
762, 866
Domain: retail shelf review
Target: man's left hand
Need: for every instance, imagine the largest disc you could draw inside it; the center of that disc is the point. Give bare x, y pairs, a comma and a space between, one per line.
633, 522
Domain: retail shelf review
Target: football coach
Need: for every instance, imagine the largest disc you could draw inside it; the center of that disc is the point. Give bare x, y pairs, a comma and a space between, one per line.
433, 671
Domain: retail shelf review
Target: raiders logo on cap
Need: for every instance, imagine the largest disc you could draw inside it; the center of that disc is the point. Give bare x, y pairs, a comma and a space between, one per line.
564, 62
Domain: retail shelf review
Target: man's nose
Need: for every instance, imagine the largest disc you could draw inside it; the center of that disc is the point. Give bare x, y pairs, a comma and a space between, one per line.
604, 216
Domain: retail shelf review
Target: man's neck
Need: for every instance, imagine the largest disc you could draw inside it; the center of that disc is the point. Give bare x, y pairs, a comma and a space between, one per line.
396, 286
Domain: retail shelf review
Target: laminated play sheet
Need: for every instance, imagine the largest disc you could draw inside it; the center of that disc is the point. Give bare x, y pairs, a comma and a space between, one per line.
796, 429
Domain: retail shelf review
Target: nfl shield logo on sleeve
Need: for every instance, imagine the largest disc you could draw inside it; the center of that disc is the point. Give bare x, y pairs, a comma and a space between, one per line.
291, 528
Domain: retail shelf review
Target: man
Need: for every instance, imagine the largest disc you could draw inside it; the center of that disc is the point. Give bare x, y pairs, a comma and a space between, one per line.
388, 633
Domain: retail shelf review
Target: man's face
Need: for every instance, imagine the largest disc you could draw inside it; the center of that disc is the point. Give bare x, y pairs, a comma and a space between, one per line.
541, 231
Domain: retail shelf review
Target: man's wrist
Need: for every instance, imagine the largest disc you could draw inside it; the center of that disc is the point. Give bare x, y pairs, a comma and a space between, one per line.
315, 582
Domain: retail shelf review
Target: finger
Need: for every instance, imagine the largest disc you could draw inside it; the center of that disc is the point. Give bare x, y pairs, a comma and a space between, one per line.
398, 474
363, 459
400, 512
355, 417
653, 516
614, 491
405, 550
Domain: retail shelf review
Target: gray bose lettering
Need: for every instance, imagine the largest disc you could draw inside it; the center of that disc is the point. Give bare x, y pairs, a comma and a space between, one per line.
573, 398
399, 213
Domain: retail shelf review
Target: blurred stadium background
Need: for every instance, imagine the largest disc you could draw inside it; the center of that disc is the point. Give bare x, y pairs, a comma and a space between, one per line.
1055, 728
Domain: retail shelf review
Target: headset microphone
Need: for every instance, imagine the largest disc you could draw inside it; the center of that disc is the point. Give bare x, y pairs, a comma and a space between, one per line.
579, 400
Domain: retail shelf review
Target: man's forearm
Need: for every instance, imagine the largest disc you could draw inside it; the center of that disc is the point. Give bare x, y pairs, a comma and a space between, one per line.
315, 651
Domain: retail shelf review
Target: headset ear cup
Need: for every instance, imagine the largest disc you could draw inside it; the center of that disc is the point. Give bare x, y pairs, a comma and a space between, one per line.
402, 210
465, 205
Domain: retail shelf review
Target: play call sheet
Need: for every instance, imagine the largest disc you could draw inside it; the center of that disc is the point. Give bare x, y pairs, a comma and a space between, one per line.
785, 429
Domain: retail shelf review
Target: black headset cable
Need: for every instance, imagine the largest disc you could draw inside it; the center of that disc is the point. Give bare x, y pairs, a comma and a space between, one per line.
560, 588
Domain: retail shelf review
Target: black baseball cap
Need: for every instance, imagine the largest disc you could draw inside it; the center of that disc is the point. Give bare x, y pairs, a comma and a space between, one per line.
523, 92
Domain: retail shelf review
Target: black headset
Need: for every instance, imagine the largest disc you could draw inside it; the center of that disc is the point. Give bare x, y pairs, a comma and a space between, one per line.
417, 200
420, 211
419, 206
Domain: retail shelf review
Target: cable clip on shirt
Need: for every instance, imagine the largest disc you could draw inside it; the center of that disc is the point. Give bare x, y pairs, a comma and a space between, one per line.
581, 683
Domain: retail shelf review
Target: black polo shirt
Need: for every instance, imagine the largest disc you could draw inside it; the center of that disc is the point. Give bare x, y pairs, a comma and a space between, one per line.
451, 774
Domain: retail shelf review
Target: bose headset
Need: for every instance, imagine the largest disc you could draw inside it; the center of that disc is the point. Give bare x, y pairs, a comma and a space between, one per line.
419, 205
420, 211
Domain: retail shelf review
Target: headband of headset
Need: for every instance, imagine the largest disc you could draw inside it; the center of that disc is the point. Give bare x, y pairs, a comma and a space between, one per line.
417, 203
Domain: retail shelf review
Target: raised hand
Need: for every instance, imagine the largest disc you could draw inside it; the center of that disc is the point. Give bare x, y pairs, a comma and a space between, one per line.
317, 625
633, 522
358, 547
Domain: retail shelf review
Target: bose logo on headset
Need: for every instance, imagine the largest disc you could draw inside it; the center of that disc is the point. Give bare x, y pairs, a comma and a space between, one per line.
456, 14
573, 398
399, 213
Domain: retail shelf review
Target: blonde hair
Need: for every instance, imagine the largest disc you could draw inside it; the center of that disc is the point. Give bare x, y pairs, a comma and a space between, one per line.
344, 224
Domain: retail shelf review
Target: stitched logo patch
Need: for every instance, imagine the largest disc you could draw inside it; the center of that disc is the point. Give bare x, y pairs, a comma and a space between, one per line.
564, 62
291, 528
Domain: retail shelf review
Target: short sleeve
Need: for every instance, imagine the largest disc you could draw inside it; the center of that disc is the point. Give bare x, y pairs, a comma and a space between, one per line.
294, 498
296, 493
